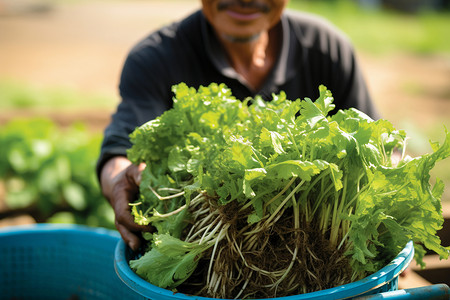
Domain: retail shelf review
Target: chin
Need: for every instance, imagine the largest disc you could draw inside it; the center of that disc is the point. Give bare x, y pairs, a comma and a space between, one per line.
241, 38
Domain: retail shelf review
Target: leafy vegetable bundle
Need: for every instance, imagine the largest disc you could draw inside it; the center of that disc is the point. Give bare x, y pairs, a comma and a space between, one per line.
254, 199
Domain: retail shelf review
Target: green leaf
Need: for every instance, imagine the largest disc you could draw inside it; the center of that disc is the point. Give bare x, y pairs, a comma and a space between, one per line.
241, 152
295, 168
169, 262
177, 160
272, 139
311, 113
74, 195
325, 100
19, 194
17, 159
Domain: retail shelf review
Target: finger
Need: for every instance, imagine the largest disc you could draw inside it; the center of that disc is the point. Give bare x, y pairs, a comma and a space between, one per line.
140, 168
122, 211
125, 192
130, 238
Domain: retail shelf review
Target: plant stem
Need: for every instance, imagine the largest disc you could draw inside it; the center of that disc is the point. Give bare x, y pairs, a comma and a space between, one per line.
280, 193
284, 201
165, 197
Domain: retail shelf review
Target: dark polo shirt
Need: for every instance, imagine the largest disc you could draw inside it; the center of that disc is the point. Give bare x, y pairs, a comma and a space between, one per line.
313, 52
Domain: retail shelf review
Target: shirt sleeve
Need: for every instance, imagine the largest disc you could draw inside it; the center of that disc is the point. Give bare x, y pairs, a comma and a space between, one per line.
143, 98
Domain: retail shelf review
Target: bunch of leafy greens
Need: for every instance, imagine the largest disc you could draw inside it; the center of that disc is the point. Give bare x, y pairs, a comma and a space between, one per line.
227, 180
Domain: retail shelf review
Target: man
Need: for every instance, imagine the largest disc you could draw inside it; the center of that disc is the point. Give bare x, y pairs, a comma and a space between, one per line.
255, 47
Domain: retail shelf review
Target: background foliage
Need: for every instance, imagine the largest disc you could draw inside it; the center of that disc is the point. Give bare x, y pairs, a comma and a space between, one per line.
382, 29
49, 173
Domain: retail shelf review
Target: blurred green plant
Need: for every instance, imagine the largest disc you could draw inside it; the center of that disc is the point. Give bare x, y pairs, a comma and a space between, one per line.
17, 95
383, 31
49, 173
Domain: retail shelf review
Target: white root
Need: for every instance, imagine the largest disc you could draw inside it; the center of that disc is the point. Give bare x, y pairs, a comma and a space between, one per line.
198, 228
196, 214
210, 281
195, 234
165, 197
217, 240
167, 189
199, 199
312, 254
288, 269
216, 286
293, 284
174, 212
207, 219
211, 234
243, 286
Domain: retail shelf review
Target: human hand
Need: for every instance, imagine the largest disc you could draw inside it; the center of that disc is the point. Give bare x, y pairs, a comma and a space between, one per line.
120, 181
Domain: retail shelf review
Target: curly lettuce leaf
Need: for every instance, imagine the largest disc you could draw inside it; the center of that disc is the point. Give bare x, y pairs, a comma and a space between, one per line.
169, 262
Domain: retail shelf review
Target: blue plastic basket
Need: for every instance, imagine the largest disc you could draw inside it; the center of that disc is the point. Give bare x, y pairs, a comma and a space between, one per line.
384, 280
60, 262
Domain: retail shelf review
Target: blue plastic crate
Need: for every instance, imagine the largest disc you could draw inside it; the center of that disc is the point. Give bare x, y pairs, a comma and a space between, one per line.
47, 261
384, 280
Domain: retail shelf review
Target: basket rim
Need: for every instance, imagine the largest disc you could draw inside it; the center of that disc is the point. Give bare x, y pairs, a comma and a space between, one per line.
54, 228
380, 278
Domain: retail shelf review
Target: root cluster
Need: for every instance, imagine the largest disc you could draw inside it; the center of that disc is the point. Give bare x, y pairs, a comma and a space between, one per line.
271, 258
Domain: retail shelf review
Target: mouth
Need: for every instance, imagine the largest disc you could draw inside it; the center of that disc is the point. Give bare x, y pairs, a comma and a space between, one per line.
243, 11
241, 16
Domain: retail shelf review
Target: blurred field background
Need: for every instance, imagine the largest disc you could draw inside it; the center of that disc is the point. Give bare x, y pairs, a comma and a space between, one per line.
60, 62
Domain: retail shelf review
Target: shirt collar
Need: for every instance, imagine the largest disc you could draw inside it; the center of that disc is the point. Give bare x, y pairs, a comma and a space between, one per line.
217, 55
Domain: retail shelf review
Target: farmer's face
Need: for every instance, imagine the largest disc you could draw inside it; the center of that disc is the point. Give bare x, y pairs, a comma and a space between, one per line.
243, 18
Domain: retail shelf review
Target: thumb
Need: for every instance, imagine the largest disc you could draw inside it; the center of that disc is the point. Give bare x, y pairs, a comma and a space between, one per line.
134, 173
